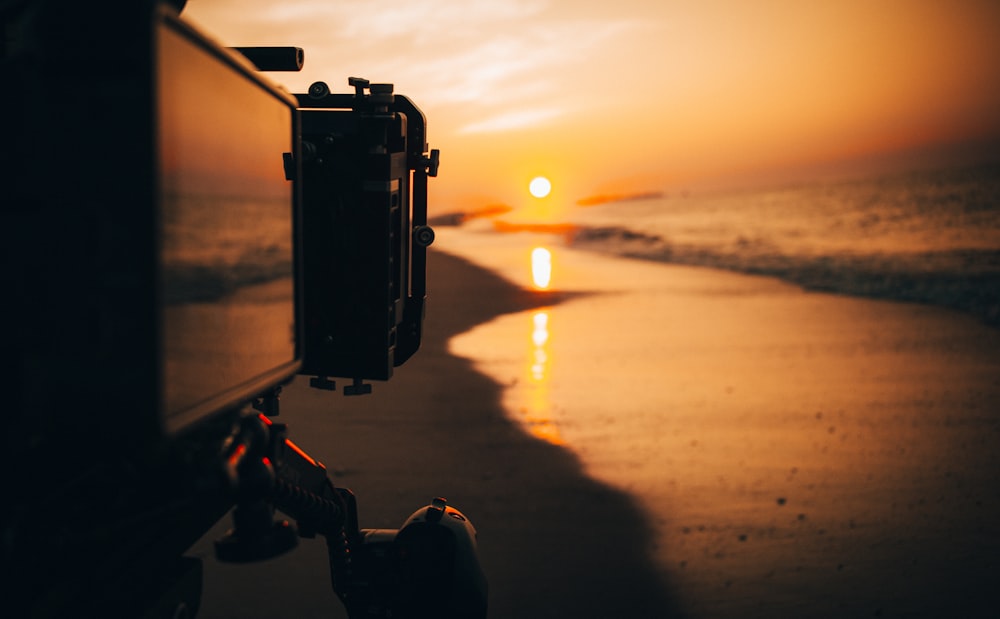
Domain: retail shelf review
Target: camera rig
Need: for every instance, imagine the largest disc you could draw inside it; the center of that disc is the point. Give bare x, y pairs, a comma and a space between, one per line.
361, 230
185, 237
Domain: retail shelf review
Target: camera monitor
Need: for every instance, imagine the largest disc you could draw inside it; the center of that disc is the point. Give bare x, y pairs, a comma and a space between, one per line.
183, 251
226, 228
150, 187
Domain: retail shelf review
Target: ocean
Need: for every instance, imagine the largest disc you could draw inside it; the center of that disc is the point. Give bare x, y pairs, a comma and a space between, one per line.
928, 237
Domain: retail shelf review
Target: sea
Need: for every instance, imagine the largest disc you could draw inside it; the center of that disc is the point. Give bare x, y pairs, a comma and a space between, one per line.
930, 236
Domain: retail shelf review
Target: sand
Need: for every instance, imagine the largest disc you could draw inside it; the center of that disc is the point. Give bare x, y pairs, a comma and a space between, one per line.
553, 542
801, 454
699, 444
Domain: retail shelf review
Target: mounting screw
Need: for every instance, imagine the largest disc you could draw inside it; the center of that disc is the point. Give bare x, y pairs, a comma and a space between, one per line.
432, 163
357, 388
382, 94
318, 90
359, 84
436, 509
322, 382
423, 235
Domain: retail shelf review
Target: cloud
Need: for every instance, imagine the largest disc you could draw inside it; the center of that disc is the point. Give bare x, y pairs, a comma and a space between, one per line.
517, 119
516, 77
422, 19
487, 54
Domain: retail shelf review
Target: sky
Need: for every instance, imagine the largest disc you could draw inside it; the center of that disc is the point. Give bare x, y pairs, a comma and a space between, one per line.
637, 96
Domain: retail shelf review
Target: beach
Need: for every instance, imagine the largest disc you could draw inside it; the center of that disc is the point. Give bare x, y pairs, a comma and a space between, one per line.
689, 443
553, 542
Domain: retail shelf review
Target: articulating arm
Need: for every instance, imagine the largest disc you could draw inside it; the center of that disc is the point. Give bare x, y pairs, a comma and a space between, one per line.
429, 567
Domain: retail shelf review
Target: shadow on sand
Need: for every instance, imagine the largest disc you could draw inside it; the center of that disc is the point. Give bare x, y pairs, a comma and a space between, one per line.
553, 542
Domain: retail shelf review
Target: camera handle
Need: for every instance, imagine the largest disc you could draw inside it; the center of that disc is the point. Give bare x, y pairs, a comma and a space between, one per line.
428, 567
265, 471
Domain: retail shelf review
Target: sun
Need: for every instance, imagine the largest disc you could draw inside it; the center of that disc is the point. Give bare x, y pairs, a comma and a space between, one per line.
540, 187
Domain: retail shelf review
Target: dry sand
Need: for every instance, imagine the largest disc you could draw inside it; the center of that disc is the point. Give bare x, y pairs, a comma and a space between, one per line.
783, 455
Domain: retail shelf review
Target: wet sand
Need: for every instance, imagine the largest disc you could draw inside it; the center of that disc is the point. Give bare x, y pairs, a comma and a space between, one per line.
802, 455
691, 443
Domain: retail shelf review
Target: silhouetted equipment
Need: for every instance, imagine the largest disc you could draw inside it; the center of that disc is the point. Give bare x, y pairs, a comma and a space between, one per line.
364, 220
183, 238
274, 58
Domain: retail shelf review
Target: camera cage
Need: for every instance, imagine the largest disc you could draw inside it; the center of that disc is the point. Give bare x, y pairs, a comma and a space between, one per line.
364, 171
94, 327
153, 233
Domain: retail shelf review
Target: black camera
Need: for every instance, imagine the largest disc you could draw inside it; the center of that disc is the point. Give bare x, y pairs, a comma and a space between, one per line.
201, 235
182, 238
364, 170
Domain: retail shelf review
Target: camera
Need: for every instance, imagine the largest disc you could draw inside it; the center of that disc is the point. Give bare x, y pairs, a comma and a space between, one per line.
364, 168
201, 235
182, 238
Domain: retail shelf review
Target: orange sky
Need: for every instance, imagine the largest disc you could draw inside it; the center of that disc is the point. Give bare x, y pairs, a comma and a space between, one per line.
637, 95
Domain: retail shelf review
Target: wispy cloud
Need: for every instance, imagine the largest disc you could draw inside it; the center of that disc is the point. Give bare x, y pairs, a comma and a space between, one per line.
517, 119
425, 20
477, 59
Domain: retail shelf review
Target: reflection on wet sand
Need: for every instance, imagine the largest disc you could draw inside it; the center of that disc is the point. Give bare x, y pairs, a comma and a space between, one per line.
800, 454
536, 409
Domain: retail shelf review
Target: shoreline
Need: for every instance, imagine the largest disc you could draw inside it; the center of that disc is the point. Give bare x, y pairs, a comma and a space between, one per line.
819, 455
874, 277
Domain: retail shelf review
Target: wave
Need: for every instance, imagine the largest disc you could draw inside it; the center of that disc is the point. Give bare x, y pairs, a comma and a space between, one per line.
962, 279
202, 282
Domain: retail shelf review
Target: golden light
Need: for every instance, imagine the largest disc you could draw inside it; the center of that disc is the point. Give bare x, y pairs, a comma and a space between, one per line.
537, 409
540, 186
541, 267
540, 335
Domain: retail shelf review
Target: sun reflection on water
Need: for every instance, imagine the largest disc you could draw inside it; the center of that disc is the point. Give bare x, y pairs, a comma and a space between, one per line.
541, 267
540, 336
537, 408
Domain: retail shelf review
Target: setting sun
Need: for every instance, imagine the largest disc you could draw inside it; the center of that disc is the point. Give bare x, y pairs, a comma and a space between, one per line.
540, 187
